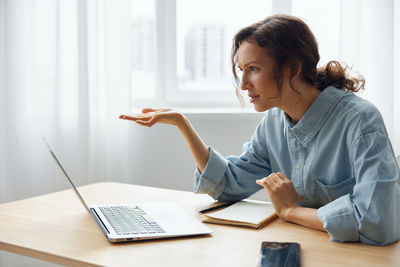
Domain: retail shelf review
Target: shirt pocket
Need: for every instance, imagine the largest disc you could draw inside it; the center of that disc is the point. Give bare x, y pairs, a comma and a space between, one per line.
328, 193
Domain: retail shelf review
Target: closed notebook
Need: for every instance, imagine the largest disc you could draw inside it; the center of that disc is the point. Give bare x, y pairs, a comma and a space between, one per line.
249, 213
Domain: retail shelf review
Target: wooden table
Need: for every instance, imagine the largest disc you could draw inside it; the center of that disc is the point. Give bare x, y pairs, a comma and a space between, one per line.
56, 228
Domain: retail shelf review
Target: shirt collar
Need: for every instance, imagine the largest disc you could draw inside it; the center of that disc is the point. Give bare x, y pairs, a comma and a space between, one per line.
316, 115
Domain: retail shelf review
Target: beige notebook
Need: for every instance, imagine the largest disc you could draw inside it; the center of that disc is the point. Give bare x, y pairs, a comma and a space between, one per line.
249, 213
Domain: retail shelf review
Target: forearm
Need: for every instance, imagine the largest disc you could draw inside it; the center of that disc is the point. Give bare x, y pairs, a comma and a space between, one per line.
304, 216
198, 148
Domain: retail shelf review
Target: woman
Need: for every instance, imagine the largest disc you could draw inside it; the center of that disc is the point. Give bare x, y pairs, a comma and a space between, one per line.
322, 153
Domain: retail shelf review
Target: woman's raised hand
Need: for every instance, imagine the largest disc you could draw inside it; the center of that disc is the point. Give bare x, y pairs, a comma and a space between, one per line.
150, 116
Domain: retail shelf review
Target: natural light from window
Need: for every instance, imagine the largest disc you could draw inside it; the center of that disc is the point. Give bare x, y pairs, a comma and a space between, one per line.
204, 39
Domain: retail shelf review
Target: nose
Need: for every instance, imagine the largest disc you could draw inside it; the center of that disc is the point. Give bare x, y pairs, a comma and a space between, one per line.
244, 82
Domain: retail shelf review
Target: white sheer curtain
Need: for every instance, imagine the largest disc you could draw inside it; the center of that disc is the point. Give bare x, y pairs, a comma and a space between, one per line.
396, 75
64, 75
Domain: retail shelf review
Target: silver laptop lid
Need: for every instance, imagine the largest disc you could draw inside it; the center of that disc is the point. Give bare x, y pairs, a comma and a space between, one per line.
65, 174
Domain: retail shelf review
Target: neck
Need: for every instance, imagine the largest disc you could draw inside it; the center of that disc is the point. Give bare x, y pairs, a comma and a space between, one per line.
296, 104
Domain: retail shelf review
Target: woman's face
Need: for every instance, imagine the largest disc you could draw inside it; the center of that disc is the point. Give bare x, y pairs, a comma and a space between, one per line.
257, 76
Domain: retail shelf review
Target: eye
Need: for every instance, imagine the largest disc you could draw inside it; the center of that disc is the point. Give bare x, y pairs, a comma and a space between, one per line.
253, 68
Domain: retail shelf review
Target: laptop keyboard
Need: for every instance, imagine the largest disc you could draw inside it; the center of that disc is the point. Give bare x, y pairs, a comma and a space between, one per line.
130, 220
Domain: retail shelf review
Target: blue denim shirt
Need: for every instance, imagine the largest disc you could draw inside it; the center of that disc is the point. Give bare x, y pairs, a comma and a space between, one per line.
338, 157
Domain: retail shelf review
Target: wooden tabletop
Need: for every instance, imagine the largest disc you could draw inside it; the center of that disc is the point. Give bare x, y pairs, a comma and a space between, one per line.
56, 228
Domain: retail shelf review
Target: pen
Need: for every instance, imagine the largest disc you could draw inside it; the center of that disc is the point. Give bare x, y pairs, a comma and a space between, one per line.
227, 204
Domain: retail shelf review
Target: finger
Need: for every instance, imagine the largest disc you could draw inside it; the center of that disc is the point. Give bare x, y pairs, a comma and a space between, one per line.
126, 117
274, 179
138, 117
273, 185
152, 122
147, 110
264, 185
146, 122
287, 183
283, 179
261, 181
282, 176
143, 117
143, 123
267, 183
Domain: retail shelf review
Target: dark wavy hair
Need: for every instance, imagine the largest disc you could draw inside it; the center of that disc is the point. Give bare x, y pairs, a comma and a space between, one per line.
290, 42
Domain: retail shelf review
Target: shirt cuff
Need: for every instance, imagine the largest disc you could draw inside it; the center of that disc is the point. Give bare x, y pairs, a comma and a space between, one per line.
210, 181
339, 220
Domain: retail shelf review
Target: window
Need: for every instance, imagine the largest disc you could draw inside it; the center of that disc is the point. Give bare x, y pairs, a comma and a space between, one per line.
204, 39
181, 50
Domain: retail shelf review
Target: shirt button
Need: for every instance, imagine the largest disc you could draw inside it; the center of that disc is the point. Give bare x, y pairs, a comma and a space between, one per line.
298, 166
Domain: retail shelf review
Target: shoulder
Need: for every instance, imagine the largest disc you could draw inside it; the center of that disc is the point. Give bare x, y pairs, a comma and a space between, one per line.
360, 113
359, 105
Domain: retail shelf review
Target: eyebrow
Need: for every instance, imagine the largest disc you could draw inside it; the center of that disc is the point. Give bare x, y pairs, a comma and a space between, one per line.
251, 62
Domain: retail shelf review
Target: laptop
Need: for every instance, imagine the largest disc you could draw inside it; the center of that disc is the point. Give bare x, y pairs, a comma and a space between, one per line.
130, 222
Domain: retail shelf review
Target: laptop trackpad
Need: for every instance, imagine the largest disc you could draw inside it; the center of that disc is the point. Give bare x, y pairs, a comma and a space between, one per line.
173, 219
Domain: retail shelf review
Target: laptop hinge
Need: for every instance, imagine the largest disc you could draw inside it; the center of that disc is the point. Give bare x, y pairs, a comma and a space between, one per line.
99, 220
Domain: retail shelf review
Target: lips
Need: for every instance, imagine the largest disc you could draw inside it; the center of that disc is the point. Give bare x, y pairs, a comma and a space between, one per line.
253, 98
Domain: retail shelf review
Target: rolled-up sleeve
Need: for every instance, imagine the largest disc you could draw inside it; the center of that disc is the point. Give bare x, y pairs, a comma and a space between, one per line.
234, 178
211, 180
371, 214
339, 219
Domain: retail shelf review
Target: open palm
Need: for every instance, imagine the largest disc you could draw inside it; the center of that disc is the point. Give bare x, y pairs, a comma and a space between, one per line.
151, 116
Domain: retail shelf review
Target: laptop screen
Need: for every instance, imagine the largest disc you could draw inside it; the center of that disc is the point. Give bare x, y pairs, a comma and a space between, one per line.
65, 174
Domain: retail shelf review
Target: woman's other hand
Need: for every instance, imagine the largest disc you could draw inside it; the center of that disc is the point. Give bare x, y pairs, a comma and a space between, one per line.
151, 116
281, 192
283, 196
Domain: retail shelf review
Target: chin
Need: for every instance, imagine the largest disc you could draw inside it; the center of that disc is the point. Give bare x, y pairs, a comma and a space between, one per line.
261, 108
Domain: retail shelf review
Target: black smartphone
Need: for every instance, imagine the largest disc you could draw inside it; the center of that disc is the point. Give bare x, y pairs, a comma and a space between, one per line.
280, 254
